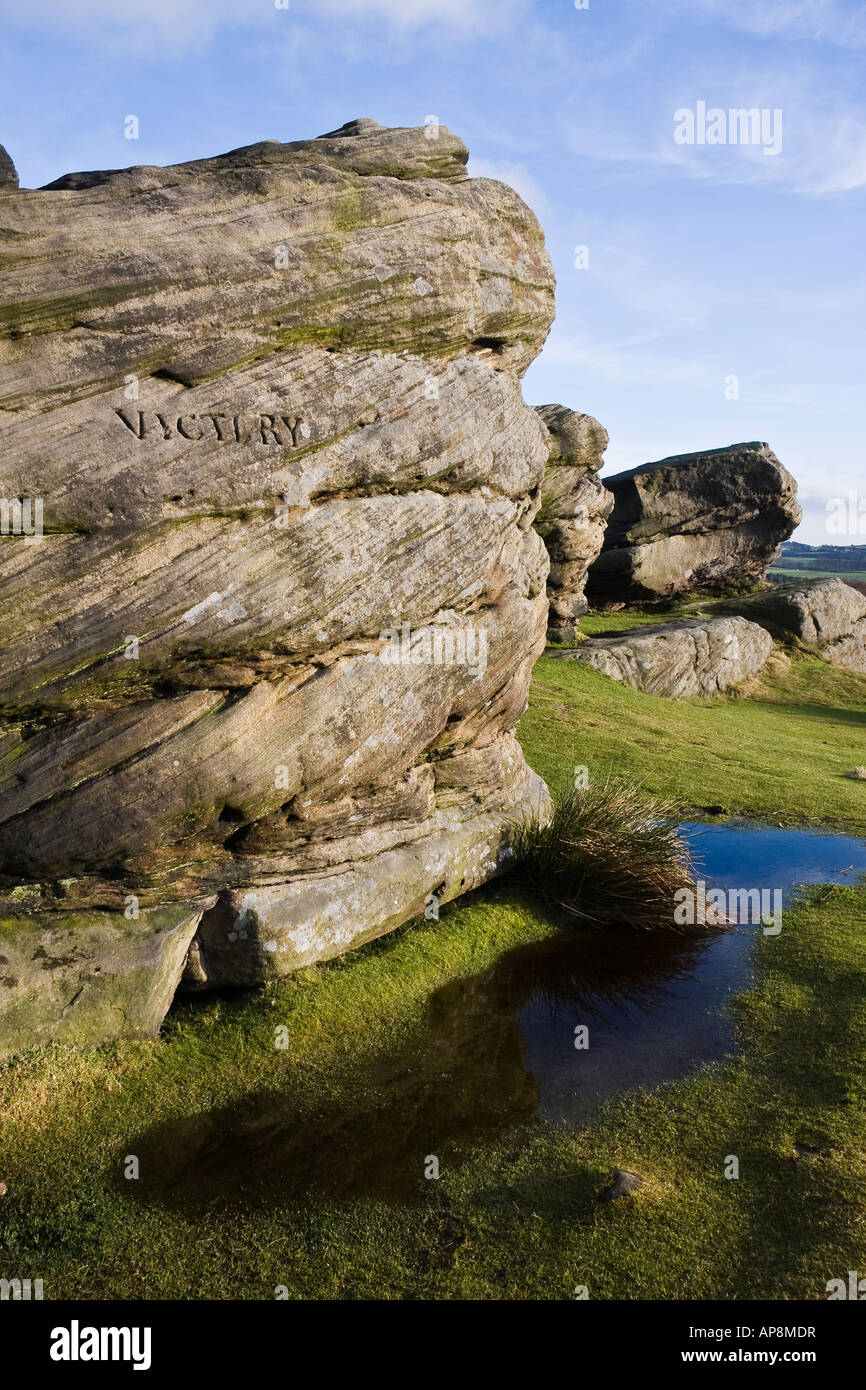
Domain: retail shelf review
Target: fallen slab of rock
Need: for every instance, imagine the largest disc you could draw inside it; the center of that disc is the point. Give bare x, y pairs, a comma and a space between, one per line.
711, 522
272, 593
679, 660
826, 615
85, 977
575, 506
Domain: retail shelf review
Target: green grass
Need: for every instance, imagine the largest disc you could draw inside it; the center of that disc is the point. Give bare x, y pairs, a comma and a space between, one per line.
513, 1214
379, 1073
623, 619
606, 855
597, 624
779, 755
805, 571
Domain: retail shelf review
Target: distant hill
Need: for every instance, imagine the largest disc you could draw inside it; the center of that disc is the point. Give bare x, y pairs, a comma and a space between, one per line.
843, 553
819, 561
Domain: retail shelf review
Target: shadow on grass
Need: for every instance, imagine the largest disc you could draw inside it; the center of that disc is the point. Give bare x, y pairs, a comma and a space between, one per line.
460, 1080
820, 713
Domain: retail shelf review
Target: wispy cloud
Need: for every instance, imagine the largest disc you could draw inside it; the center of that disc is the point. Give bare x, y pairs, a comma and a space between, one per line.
623, 362
822, 126
161, 28
517, 176
468, 16
179, 23
826, 21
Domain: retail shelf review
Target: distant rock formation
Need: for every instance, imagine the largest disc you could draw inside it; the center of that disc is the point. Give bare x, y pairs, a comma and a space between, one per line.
8, 173
826, 615
696, 523
679, 660
575, 507
272, 593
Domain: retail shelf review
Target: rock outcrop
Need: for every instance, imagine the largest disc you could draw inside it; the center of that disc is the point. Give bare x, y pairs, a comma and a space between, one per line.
271, 590
8, 172
825, 615
575, 507
697, 523
700, 656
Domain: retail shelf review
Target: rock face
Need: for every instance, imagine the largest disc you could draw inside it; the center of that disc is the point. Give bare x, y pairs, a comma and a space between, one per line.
575, 507
8, 173
678, 660
271, 590
710, 522
827, 615
82, 977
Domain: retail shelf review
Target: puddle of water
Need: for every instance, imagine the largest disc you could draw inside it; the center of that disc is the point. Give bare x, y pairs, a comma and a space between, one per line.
678, 1016
498, 1049
743, 853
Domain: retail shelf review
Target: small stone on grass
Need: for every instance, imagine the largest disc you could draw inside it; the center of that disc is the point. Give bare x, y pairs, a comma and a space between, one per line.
624, 1183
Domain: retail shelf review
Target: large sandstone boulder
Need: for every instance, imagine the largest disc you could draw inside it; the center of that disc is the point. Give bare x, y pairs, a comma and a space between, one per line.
700, 656
710, 522
575, 506
272, 594
826, 615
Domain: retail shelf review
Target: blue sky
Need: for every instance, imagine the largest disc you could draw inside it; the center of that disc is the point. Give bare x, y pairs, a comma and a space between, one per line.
706, 262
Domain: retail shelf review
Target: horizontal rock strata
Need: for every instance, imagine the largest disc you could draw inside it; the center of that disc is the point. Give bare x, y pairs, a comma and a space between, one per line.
575, 507
270, 585
711, 522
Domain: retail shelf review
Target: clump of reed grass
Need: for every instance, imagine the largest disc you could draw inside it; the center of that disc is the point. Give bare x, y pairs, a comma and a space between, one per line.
607, 855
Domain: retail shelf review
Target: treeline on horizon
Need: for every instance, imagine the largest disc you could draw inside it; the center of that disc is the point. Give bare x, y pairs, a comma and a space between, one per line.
843, 558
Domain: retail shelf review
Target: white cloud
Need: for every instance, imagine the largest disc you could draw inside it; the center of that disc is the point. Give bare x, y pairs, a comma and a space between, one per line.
822, 125
827, 21
643, 289
105, 23
835, 156
472, 16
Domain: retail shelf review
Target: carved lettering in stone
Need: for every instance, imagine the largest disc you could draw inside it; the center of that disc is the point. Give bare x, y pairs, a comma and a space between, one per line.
286, 431
222, 424
184, 429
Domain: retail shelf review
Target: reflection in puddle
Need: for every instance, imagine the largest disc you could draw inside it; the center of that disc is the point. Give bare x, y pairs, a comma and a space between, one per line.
498, 1049
656, 1013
